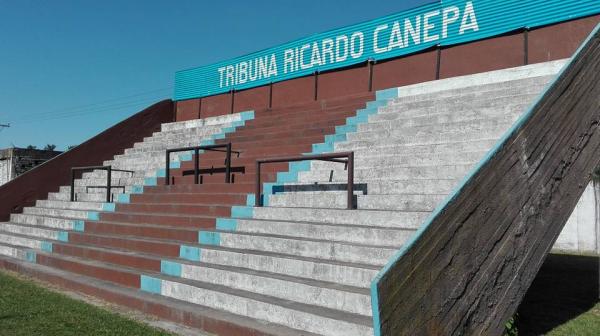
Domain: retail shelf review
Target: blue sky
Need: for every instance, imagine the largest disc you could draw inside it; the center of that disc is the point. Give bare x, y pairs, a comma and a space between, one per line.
70, 69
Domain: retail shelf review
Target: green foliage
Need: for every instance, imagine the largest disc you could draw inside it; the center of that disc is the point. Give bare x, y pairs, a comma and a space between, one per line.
50, 147
27, 309
510, 328
31, 147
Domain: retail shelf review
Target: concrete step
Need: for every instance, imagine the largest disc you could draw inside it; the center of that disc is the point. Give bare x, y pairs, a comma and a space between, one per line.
338, 200
504, 77
94, 194
201, 123
445, 114
64, 213
82, 197
514, 87
266, 308
513, 97
437, 133
212, 320
311, 248
359, 234
119, 181
351, 274
294, 315
57, 223
60, 204
375, 148
17, 242
438, 186
344, 298
368, 160
329, 295
33, 232
452, 172
372, 218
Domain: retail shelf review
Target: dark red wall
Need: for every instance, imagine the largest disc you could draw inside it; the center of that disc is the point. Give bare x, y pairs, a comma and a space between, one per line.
294, 91
542, 44
215, 105
252, 99
48, 177
560, 40
481, 56
405, 71
343, 83
188, 109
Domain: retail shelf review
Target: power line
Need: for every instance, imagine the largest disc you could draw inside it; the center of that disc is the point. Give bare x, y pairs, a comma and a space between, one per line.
84, 111
96, 105
79, 114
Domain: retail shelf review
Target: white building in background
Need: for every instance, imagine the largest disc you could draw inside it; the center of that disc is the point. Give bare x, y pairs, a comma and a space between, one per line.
16, 161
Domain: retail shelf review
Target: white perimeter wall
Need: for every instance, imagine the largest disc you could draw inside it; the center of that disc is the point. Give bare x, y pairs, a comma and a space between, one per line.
580, 234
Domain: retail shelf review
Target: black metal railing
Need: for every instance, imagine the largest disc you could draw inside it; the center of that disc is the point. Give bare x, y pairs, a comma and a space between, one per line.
109, 186
214, 148
333, 157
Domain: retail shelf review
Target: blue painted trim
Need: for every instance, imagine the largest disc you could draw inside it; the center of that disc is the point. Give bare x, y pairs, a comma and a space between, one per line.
170, 268
386, 94
47, 247
242, 211
361, 116
457, 190
190, 253
150, 284
226, 224
209, 238
31, 256
136, 189
93, 215
108, 207
150, 181
124, 198
78, 225
62, 236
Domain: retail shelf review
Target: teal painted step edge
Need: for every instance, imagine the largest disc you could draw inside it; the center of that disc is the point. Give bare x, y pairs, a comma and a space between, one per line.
189, 253
438, 210
209, 238
243, 212
240, 212
153, 180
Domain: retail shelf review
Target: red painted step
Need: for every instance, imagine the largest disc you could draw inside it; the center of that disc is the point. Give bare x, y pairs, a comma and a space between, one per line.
175, 233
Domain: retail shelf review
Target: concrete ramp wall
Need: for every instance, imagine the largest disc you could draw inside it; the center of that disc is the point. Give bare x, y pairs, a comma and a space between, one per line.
469, 266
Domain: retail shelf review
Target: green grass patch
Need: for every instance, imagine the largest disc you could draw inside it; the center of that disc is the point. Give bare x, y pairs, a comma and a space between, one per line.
28, 309
585, 324
563, 299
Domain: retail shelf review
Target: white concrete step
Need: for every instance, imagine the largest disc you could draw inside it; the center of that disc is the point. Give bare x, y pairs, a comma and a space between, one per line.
386, 173
373, 218
338, 200
310, 248
334, 296
366, 234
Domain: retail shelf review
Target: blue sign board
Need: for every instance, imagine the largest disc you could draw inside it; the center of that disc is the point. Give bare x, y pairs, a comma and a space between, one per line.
442, 23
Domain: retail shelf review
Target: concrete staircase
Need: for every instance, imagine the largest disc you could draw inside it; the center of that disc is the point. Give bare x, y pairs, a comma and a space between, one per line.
301, 265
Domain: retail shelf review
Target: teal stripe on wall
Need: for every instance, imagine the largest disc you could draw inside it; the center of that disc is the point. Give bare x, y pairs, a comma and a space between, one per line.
443, 23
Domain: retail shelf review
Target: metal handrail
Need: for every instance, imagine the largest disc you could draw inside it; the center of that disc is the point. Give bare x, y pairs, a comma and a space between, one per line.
109, 186
197, 149
333, 157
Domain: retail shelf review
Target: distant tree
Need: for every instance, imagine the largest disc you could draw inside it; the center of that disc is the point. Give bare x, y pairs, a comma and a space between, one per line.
31, 147
50, 147
71, 147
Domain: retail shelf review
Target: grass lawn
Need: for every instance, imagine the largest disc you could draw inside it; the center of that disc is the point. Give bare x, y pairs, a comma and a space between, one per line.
28, 309
563, 299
